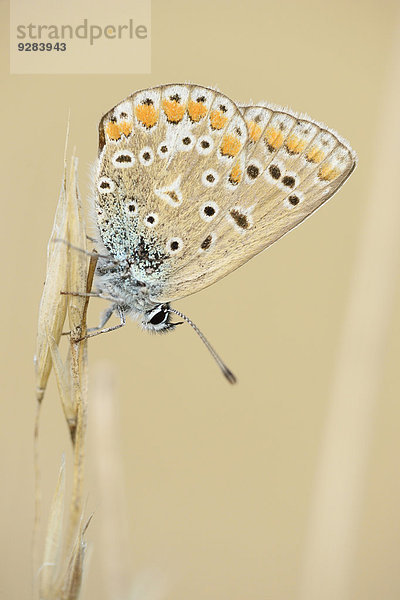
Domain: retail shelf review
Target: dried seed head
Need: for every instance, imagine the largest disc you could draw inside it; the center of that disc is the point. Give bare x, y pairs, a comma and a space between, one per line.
77, 267
70, 587
53, 541
53, 306
62, 372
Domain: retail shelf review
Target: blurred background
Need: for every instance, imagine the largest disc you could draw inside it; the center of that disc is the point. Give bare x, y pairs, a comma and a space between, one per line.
285, 486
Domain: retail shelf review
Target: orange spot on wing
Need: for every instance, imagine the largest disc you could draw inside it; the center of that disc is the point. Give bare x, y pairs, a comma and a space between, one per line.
315, 155
274, 138
230, 145
113, 131
254, 130
196, 110
125, 127
236, 174
174, 110
295, 145
217, 119
328, 172
147, 114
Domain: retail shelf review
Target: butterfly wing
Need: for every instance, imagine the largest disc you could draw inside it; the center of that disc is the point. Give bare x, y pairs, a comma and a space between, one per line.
288, 168
233, 182
152, 147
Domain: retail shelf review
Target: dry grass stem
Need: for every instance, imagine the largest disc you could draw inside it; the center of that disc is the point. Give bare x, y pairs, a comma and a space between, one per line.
72, 580
53, 543
53, 306
62, 373
67, 269
52, 314
77, 267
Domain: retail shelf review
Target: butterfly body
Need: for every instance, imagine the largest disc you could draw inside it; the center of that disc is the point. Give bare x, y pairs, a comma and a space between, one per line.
116, 281
190, 186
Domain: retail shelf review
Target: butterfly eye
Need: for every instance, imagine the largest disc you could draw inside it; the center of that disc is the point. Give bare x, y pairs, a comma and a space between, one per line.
159, 317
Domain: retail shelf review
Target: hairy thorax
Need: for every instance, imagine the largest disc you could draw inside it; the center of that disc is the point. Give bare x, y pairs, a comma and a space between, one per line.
118, 281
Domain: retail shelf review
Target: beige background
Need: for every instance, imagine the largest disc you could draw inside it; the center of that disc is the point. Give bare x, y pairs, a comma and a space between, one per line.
222, 490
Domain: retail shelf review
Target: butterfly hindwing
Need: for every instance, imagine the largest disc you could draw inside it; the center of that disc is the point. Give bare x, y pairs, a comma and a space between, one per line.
288, 168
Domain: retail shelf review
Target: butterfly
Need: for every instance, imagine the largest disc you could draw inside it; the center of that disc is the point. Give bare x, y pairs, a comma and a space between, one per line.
190, 186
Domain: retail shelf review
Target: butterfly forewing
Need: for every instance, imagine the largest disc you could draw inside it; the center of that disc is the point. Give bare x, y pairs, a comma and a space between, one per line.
190, 186
153, 146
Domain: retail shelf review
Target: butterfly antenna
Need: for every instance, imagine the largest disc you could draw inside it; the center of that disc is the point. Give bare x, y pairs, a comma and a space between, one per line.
227, 372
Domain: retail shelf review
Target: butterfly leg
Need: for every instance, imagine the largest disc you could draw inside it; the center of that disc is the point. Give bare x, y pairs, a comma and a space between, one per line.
105, 317
83, 294
89, 295
80, 295
100, 329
